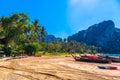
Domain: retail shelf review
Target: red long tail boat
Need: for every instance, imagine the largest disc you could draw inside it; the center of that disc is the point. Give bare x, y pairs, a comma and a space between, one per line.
92, 58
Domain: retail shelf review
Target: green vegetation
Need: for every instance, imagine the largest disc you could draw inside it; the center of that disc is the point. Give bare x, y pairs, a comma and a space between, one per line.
51, 54
19, 35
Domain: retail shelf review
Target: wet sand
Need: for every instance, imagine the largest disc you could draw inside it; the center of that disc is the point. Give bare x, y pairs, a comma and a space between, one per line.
55, 68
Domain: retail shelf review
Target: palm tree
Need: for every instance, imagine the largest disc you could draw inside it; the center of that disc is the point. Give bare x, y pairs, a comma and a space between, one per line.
37, 31
43, 34
12, 27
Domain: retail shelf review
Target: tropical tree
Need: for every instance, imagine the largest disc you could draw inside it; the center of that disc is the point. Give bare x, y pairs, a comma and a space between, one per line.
34, 32
16, 30
93, 49
12, 27
57, 47
37, 32
43, 34
50, 47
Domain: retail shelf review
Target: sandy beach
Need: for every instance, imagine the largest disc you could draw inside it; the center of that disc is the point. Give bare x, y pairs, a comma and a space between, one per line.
55, 68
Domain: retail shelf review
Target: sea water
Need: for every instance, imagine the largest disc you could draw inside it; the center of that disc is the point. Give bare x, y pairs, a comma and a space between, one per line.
114, 55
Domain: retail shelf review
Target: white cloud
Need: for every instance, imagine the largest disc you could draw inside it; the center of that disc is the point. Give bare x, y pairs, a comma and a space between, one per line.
86, 4
83, 13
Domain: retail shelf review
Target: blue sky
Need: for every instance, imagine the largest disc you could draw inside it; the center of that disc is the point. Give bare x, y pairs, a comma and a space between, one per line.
65, 17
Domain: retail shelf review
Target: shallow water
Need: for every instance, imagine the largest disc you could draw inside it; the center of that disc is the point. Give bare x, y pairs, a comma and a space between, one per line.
116, 55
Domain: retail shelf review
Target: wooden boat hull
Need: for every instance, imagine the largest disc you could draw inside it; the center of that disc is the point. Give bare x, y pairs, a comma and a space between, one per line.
92, 60
115, 59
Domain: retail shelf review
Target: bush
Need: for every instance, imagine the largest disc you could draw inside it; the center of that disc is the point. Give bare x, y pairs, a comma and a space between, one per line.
7, 51
30, 49
1, 51
38, 47
38, 54
20, 49
14, 53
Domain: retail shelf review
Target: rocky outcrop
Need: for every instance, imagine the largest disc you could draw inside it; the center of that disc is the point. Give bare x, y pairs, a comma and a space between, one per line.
52, 38
103, 35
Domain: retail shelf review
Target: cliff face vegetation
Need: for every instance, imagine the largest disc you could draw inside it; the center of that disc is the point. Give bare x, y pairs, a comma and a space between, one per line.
103, 34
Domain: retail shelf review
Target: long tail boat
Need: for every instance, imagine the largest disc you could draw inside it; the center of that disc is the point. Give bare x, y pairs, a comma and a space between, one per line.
115, 59
92, 58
